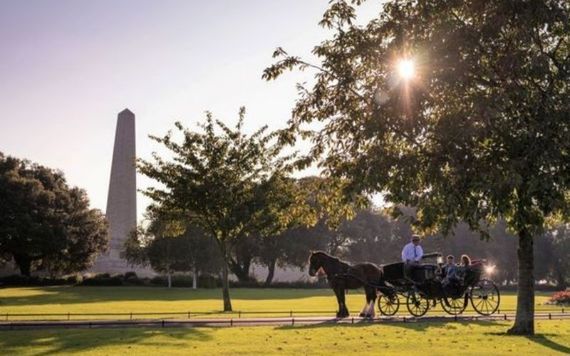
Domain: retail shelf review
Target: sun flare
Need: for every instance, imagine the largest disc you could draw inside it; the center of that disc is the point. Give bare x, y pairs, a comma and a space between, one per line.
406, 68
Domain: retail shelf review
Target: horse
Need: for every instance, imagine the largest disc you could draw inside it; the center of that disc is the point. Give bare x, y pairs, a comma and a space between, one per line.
342, 276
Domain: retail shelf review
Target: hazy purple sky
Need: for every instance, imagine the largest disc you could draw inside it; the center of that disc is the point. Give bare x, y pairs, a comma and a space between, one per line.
67, 67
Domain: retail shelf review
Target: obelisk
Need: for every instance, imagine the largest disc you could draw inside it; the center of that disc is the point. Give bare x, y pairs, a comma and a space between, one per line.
122, 199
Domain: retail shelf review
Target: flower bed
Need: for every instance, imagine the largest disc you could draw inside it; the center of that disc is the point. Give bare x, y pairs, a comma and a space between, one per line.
561, 298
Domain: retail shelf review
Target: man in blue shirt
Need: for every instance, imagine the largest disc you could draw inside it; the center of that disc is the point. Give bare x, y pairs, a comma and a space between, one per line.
411, 256
412, 253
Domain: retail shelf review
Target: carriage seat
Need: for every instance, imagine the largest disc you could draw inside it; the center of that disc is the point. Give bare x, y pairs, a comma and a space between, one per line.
394, 273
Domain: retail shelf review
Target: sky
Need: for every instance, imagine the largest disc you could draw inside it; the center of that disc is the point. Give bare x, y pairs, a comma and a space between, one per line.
68, 67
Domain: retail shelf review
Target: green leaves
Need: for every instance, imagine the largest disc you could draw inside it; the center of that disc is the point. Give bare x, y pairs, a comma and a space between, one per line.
482, 130
227, 182
44, 223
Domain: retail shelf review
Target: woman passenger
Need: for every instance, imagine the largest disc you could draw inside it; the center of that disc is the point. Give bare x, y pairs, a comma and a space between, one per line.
465, 261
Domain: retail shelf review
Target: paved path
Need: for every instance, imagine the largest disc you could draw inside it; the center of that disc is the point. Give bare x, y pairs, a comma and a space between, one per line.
229, 322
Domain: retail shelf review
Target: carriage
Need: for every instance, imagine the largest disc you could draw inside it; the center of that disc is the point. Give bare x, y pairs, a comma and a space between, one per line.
424, 286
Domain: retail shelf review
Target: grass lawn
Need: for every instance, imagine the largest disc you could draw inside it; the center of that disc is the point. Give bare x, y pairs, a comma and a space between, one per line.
147, 299
453, 338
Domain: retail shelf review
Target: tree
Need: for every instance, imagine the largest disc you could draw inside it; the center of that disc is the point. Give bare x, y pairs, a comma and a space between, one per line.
221, 179
44, 223
480, 131
168, 244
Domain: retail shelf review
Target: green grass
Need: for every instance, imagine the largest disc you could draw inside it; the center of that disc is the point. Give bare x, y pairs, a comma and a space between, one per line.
453, 338
145, 299
418, 338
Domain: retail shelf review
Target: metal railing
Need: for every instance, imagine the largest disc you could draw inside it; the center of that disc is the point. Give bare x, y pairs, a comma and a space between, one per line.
288, 321
7, 316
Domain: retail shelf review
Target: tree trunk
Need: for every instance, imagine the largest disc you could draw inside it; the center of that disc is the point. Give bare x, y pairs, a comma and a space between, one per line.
194, 278
241, 270
561, 280
271, 272
226, 288
524, 320
169, 278
24, 264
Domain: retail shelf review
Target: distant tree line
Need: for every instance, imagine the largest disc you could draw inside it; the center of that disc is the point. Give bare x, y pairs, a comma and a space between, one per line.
372, 235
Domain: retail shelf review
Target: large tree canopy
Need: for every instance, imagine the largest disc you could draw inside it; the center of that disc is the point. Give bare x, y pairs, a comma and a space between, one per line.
44, 223
480, 131
227, 183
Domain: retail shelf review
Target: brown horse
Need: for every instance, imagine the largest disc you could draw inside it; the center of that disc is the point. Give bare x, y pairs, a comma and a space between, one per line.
342, 276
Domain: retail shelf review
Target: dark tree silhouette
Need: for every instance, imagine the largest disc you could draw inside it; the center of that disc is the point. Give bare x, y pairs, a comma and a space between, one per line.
44, 223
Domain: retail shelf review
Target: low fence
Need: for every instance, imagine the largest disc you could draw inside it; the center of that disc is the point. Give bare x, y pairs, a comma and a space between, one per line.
291, 321
234, 314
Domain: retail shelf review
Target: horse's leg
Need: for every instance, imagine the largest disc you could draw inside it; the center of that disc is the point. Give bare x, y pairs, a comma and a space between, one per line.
366, 309
343, 310
371, 301
338, 292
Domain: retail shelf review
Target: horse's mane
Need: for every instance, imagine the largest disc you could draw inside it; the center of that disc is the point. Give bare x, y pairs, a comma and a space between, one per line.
334, 258
339, 261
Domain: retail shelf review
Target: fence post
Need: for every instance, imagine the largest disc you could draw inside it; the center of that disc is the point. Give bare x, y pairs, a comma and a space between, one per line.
505, 315
239, 314
68, 316
353, 320
188, 315
162, 323
549, 316
232, 322
292, 321
291, 314
131, 315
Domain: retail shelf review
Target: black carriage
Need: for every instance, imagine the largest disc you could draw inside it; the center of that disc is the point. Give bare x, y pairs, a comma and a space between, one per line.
424, 286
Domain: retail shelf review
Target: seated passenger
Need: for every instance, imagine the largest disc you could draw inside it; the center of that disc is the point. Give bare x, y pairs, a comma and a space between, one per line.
465, 261
450, 271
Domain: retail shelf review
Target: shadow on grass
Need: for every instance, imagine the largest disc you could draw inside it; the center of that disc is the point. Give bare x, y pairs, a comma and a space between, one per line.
50, 342
73, 295
541, 339
413, 325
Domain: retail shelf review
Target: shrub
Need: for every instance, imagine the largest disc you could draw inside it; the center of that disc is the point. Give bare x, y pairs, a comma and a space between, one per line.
158, 280
178, 280
209, 281
131, 279
19, 280
561, 298
130, 275
74, 279
104, 279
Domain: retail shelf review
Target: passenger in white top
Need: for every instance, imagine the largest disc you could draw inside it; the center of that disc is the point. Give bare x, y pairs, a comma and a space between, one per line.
412, 252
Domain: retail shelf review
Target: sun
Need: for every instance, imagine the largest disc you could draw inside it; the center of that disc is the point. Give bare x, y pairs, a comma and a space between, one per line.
406, 68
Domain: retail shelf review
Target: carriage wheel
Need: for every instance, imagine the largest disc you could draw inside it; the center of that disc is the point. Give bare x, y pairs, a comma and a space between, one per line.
417, 305
388, 304
453, 306
485, 297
